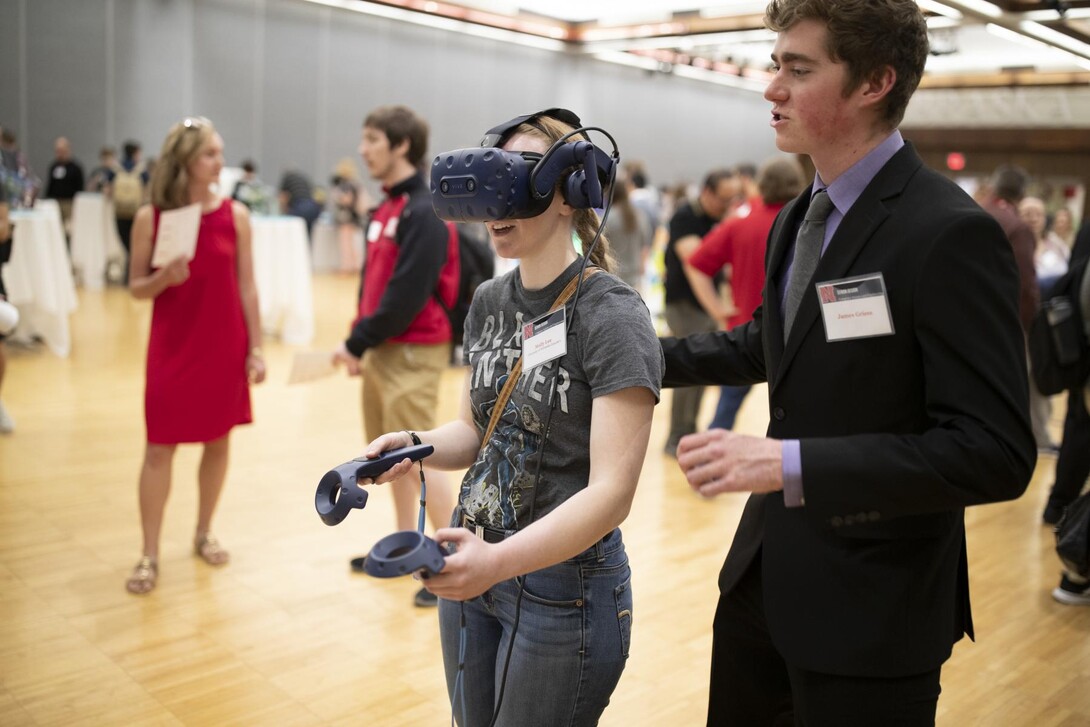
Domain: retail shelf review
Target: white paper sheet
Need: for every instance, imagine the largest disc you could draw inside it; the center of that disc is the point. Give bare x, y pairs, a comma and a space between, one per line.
309, 366
177, 236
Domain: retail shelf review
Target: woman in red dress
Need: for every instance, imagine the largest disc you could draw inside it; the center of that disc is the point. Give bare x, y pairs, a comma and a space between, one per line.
205, 342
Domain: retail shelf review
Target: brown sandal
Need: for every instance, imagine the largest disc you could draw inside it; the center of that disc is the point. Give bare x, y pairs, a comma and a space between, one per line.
208, 549
144, 577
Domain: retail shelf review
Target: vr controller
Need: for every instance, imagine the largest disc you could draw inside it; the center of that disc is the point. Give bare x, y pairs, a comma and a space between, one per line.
400, 553
481, 184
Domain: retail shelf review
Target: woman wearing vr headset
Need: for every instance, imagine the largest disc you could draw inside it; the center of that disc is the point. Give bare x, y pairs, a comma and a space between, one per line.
538, 570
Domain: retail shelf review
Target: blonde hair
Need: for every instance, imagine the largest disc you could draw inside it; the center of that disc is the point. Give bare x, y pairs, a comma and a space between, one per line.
346, 169
170, 178
585, 222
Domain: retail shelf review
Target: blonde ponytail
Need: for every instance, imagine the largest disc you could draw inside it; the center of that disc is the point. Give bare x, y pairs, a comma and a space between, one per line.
586, 224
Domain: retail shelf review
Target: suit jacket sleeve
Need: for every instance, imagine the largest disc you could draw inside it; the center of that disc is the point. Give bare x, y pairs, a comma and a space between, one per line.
733, 357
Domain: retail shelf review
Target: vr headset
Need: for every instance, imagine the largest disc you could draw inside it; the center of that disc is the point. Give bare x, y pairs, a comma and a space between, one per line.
486, 183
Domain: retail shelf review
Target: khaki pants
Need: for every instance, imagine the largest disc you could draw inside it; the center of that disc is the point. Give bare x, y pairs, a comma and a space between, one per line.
401, 386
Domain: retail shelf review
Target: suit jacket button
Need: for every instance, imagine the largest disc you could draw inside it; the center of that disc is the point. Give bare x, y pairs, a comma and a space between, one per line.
873, 516
849, 519
779, 413
837, 521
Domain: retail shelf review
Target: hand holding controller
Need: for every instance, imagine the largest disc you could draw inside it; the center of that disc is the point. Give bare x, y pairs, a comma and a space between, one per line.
339, 490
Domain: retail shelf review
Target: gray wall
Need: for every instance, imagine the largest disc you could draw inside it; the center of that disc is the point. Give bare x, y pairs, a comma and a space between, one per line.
288, 83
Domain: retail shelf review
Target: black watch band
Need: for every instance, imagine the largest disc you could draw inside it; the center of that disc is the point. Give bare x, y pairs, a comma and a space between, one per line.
416, 439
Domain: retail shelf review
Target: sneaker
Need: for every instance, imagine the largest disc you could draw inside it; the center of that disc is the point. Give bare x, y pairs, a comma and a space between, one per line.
7, 424
1052, 514
1071, 593
426, 599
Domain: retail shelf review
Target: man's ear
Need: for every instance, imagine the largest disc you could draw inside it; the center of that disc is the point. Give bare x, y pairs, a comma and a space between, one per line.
402, 148
875, 88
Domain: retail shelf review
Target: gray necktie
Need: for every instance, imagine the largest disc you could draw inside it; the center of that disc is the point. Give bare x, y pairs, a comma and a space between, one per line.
807, 253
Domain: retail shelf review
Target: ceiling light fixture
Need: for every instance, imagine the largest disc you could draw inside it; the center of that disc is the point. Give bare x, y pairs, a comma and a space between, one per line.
441, 22
980, 7
1055, 38
940, 9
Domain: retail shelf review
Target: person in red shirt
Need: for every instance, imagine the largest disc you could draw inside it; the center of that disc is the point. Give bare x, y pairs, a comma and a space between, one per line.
740, 243
400, 340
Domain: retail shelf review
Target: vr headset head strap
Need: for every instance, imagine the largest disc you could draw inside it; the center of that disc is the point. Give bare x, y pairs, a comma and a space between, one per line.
498, 135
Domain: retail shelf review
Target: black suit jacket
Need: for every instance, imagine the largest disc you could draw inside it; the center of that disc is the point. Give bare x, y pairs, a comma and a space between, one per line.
899, 433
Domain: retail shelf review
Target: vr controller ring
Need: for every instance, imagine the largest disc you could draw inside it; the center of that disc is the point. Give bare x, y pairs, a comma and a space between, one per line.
334, 498
402, 553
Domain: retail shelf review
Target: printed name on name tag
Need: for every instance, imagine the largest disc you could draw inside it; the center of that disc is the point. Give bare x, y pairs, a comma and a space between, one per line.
855, 307
544, 339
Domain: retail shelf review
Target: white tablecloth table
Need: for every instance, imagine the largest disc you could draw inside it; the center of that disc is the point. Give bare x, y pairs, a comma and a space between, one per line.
325, 246
282, 272
39, 277
94, 238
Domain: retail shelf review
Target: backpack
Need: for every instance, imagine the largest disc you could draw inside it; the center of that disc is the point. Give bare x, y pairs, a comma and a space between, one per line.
128, 191
1059, 346
476, 265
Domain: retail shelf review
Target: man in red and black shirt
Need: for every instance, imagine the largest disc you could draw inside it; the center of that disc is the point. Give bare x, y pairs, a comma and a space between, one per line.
740, 242
400, 340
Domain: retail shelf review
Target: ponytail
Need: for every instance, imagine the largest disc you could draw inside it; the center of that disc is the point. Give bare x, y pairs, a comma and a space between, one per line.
586, 225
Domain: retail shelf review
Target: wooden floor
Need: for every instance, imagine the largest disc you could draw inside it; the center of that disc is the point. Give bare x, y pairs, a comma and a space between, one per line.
287, 635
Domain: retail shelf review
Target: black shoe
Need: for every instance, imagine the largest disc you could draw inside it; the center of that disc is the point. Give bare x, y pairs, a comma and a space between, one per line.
359, 565
1071, 593
425, 599
1052, 514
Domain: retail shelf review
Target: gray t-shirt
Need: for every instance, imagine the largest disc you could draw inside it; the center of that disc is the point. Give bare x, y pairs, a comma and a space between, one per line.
611, 346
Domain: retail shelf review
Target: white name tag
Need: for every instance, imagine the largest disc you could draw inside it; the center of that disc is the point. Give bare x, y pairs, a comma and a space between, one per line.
544, 339
391, 228
855, 307
374, 230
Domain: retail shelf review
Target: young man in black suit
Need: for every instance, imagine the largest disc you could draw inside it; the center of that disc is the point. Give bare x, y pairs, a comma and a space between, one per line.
898, 398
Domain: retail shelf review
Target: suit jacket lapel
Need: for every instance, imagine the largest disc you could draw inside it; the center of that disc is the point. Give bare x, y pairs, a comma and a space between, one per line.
852, 235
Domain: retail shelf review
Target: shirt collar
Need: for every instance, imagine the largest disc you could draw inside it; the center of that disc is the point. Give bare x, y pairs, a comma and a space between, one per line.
404, 186
850, 185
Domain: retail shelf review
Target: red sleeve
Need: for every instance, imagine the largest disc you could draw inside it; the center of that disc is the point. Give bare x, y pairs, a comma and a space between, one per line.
715, 249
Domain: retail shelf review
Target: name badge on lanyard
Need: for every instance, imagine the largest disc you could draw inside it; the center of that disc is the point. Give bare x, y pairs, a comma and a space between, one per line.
544, 339
855, 307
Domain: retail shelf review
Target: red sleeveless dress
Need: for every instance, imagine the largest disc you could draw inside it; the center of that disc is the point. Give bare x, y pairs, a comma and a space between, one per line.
197, 388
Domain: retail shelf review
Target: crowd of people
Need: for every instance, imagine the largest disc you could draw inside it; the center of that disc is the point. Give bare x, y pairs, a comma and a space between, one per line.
886, 309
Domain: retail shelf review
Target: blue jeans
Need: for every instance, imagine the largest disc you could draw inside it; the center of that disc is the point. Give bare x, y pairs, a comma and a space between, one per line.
570, 649
730, 401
